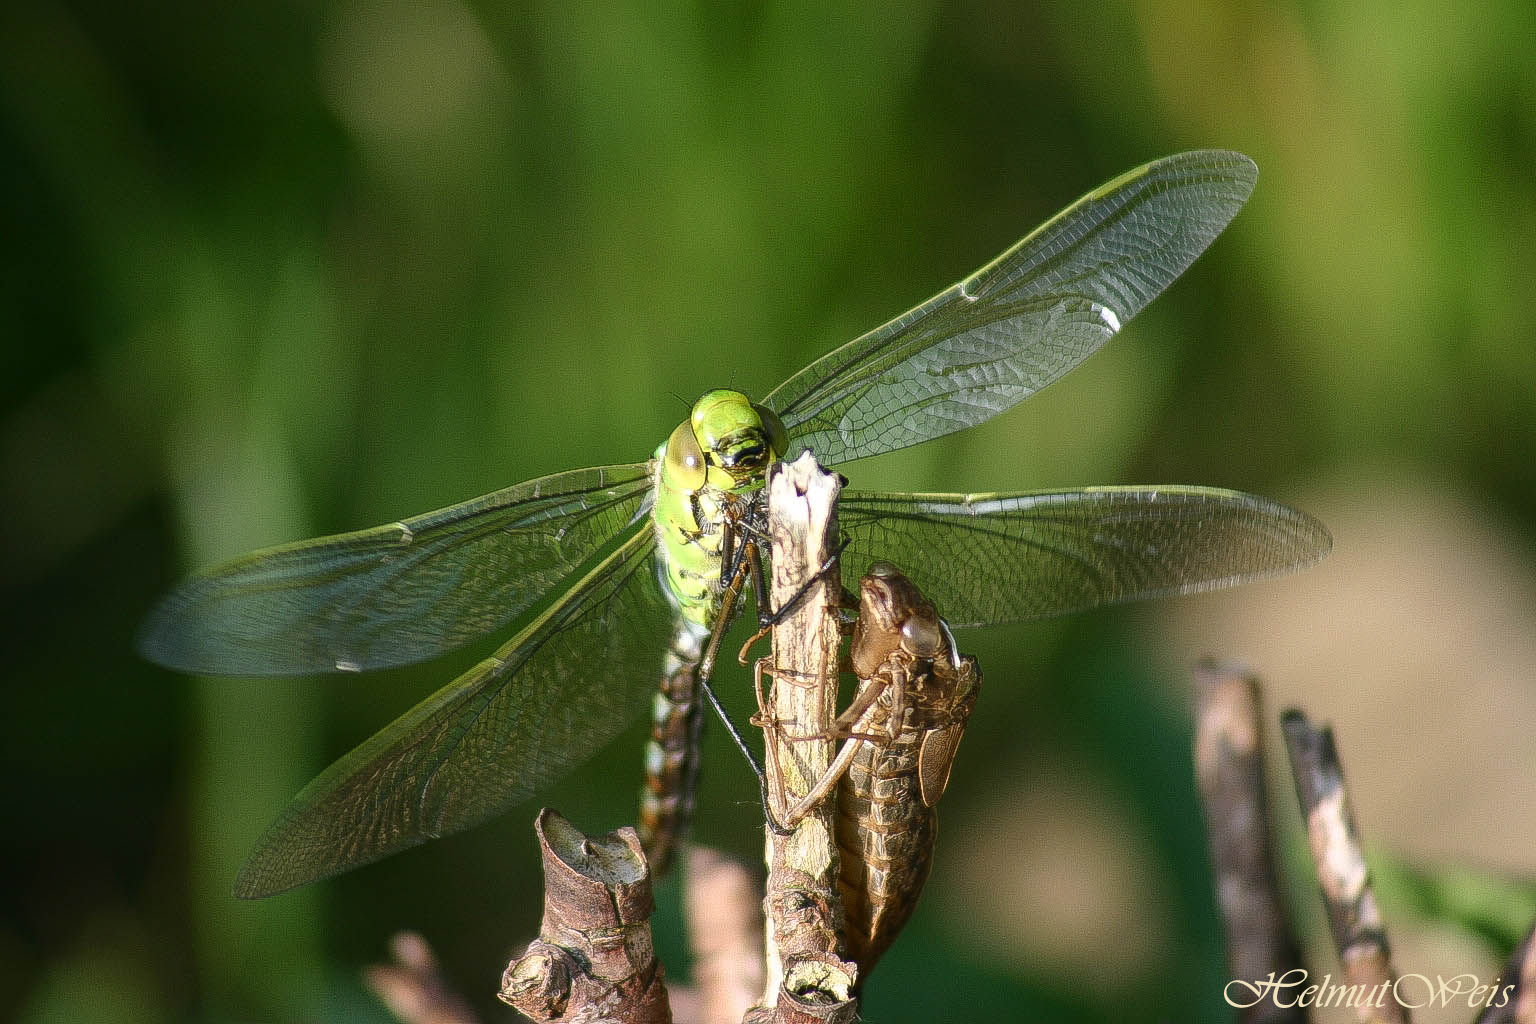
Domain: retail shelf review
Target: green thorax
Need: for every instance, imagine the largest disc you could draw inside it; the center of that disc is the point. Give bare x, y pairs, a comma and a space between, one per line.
714, 458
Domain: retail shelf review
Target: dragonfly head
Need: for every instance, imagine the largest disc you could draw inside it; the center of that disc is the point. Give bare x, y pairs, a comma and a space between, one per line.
726, 441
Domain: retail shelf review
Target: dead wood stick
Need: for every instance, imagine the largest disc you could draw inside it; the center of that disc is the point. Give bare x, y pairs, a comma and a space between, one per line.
1353, 914
1229, 763
722, 902
413, 988
593, 959
1516, 998
807, 978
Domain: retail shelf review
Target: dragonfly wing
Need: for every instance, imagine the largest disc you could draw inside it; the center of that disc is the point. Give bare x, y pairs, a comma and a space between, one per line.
1020, 322
394, 594
990, 558
569, 681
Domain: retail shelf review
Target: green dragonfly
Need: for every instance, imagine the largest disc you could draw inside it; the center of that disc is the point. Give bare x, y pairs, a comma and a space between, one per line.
611, 578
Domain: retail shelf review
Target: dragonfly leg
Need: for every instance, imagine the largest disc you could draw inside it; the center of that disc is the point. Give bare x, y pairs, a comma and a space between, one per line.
740, 539
740, 542
674, 751
730, 595
730, 727
672, 760
741, 744
712, 649
767, 619
846, 600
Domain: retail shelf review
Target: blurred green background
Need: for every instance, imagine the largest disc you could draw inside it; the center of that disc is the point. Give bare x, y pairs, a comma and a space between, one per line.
274, 269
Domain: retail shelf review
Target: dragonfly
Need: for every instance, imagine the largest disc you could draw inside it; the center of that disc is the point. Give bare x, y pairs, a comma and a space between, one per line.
605, 580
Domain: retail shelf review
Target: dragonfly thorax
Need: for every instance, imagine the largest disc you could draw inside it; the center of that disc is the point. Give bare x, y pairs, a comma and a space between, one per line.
704, 474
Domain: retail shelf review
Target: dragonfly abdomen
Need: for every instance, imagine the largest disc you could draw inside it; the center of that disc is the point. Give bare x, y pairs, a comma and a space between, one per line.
722, 450
672, 752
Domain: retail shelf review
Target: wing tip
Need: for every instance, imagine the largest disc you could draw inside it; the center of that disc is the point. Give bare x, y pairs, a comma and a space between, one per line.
258, 880
264, 872
1321, 536
249, 887
175, 633
1312, 540
269, 872
1240, 167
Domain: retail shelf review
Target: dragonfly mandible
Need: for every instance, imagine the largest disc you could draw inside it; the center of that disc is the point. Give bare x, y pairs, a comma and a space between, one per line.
607, 579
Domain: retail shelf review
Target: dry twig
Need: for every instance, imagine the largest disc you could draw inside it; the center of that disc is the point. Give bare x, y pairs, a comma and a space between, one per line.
412, 987
1519, 1005
1353, 915
593, 960
1229, 763
807, 977
723, 905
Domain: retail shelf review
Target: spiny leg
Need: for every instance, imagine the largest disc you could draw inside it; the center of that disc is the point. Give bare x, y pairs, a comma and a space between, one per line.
706, 670
741, 539
673, 760
766, 622
750, 523
746, 561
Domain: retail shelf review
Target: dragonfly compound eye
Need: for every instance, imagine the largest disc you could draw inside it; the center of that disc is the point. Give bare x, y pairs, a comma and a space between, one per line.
773, 428
684, 465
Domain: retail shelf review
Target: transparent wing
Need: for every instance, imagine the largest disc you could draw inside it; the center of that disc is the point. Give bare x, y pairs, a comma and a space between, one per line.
394, 594
558, 691
989, 558
1022, 321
